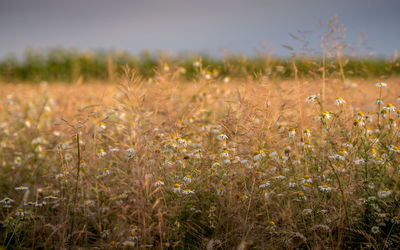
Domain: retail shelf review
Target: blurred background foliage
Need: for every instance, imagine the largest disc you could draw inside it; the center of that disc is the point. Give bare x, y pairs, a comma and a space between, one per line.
71, 65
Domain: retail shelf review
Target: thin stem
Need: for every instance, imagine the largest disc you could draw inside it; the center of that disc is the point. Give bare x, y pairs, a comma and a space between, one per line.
77, 182
379, 105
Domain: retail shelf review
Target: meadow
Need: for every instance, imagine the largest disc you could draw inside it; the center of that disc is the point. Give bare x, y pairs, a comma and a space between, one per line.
205, 162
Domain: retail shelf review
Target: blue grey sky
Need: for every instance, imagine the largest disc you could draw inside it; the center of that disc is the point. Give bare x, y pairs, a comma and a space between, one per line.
213, 26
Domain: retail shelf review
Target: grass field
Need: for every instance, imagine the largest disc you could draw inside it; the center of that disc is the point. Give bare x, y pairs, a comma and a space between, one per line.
204, 164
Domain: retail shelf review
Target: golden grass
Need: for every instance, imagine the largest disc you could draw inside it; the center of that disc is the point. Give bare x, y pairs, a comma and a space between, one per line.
118, 187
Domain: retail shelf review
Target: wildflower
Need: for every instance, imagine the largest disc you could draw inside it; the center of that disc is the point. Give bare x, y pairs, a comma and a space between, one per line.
166, 67
338, 156
362, 200
257, 155
133, 229
339, 101
101, 127
323, 211
280, 177
228, 161
187, 178
325, 188
65, 145
18, 161
292, 183
389, 107
20, 213
113, 149
325, 115
225, 154
182, 70
311, 98
241, 197
384, 193
358, 123
51, 197
394, 149
6, 201
245, 162
105, 233
378, 101
38, 149
375, 229
196, 63
226, 79
188, 191
391, 124
122, 196
129, 243
306, 179
89, 203
381, 84
215, 72
68, 156
359, 114
101, 153
347, 145
158, 183
47, 108
222, 137
129, 153
113, 243
359, 161
106, 172
37, 140
307, 211
215, 129
307, 132
21, 188
396, 220
177, 188
207, 75
28, 123
29, 203
264, 184
62, 175
9, 221
292, 132
38, 204
41, 155
182, 142
215, 164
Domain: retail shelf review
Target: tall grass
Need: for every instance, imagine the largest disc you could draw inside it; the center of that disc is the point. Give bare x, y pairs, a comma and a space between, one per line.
203, 165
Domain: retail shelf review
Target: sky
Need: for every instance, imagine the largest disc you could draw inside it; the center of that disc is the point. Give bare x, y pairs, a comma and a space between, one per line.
213, 26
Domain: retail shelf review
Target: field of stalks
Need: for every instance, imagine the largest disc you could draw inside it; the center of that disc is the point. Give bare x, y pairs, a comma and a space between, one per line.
203, 164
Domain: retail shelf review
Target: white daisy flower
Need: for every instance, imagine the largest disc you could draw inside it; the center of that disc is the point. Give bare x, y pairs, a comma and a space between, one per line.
325, 188
381, 84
